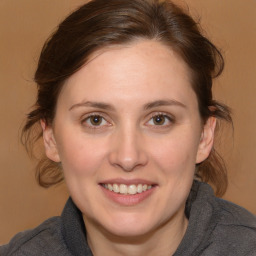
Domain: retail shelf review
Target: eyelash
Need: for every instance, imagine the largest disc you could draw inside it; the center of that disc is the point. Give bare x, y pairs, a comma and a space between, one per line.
91, 126
167, 118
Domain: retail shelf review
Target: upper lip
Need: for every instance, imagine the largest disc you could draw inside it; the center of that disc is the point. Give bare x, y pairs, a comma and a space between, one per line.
128, 181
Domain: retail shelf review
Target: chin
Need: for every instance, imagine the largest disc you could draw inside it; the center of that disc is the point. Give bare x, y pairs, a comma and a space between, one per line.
128, 226
130, 232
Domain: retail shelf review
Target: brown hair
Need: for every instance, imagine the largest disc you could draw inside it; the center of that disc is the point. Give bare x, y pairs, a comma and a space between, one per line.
101, 23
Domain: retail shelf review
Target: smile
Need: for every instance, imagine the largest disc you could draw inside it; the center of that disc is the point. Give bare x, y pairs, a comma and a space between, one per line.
124, 189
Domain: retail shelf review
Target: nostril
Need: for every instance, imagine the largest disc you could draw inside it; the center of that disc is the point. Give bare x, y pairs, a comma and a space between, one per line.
127, 153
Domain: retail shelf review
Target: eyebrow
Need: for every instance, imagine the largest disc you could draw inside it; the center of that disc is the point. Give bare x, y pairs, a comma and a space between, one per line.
147, 106
159, 103
92, 104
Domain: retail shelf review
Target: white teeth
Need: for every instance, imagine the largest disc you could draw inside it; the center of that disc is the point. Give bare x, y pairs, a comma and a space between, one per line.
132, 190
116, 188
123, 189
127, 189
139, 188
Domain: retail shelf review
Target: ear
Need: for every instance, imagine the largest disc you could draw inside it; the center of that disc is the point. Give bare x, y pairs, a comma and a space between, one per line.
49, 142
206, 140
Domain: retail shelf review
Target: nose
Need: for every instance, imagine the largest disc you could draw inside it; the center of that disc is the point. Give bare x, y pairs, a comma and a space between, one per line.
128, 150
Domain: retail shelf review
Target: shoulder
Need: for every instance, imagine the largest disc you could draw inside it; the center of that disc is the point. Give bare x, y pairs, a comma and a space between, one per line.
233, 214
227, 213
233, 227
45, 238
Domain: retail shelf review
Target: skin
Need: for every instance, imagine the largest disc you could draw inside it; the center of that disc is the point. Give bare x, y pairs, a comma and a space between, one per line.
136, 82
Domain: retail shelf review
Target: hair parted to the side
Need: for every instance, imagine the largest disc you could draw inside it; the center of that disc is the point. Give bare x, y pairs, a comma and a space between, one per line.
102, 23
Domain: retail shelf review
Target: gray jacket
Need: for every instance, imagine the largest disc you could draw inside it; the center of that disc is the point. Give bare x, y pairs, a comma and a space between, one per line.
216, 227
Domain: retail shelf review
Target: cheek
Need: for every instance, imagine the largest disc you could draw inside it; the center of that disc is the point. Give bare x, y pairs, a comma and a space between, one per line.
81, 156
175, 155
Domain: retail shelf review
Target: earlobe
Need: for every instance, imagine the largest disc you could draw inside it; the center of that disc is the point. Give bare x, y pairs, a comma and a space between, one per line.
206, 140
51, 150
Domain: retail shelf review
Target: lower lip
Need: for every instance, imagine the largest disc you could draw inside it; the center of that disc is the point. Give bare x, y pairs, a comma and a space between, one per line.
128, 200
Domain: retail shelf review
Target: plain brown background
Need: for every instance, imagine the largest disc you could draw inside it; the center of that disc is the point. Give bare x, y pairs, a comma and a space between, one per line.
25, 24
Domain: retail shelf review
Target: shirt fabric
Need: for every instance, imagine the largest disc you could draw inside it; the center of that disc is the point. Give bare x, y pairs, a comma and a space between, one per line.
216, 228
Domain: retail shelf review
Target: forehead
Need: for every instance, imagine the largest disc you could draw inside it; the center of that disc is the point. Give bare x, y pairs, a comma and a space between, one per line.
139, 69
140, 52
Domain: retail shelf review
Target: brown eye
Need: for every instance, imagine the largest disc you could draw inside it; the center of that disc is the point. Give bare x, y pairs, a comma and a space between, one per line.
95, 120
162, 120
159, 120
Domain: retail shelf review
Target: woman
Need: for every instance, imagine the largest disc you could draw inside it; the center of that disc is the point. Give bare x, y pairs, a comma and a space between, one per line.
127, 118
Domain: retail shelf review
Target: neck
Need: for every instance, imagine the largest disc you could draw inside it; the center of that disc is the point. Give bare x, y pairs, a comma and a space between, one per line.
162, 241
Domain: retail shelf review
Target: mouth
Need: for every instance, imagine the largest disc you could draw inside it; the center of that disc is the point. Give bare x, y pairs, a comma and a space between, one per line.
131, 189
128, 192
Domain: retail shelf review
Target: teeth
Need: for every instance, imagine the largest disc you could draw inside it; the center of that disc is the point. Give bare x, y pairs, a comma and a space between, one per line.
139, 188
123, 189
132, 190
116, 188
110, 187
127, 189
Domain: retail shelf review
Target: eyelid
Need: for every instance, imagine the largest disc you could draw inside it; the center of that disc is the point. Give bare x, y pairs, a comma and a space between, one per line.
170, 118
91, 114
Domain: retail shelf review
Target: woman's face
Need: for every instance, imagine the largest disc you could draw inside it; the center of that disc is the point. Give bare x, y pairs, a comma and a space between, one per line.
128, 121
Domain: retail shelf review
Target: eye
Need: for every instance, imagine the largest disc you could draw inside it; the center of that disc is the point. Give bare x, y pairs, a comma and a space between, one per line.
160, 120
94, 121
